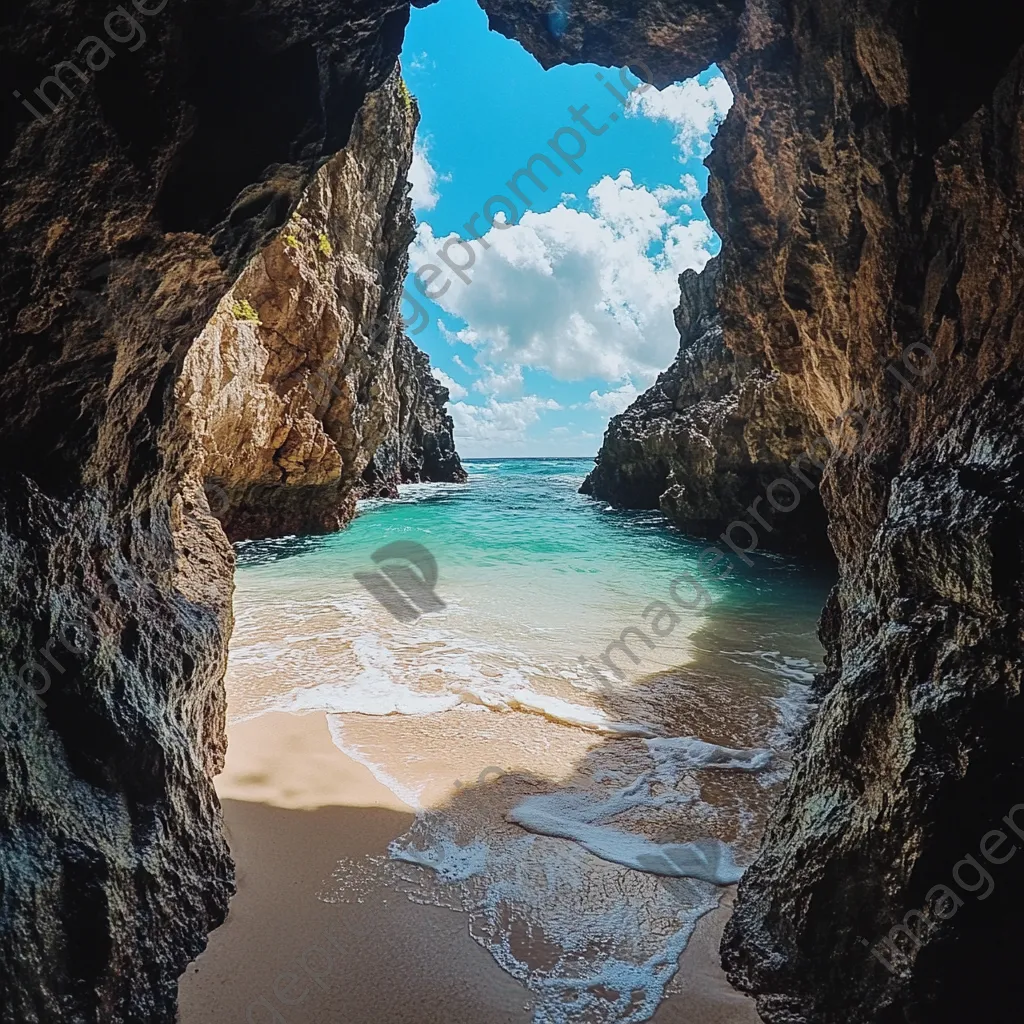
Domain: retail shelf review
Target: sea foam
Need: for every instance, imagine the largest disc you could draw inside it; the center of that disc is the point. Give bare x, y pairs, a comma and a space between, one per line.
583, 816
378, 689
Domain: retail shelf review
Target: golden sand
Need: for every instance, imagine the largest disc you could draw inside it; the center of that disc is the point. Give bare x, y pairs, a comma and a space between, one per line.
294, 805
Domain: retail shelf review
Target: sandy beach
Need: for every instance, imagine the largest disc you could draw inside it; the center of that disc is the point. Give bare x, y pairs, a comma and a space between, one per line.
293, 806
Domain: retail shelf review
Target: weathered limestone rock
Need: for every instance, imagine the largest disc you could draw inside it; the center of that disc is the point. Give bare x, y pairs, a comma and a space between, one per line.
710, 437
304, 370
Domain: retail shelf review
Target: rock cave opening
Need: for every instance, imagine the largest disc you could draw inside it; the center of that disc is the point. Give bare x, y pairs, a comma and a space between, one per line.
549, 291
866, 186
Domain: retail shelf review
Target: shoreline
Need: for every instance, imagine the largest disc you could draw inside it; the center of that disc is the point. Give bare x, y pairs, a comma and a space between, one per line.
294, 805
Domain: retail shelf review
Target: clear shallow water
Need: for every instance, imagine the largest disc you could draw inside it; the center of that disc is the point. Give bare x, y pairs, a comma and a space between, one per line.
583, 819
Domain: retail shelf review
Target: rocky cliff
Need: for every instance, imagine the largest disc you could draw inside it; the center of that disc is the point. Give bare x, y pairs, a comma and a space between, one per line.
867, 186
303, 382
127, 212
420, 448
708, 439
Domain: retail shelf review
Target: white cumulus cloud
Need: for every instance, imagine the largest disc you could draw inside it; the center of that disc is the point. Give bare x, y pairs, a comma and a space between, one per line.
690, 189
423, 179
578, 294
497, 428
508, 381
694, 109
613, 402
455, 389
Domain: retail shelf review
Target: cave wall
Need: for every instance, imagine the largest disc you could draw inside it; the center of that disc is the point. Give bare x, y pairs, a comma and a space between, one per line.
127, 212
867, 185
874, 227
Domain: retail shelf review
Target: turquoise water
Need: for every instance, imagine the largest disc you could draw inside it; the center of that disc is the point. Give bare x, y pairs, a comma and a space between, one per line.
520, 545
610, 807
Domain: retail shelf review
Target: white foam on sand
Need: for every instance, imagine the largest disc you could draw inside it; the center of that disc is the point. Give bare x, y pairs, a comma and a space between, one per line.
372, 691
794, 707
410, 797
594, 942
568, 893
583, 817
709, 860
775, 663
368, 694
455, 677
676, 754
624, 992
445, 857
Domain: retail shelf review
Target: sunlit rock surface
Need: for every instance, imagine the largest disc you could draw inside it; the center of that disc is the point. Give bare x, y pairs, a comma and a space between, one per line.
304, 372
711, 437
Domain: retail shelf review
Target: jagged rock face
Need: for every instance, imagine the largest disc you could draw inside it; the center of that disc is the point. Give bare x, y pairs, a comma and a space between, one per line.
126, 216
867, 185
421, 445
674, 40
304, 372
708, 439
874, 224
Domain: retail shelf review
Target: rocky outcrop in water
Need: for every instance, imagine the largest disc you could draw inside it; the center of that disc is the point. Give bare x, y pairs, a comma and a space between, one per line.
867, 186
709, 438
421, 445
127, 213
304, 382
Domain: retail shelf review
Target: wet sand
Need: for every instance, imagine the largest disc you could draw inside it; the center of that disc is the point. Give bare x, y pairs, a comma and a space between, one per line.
293, 806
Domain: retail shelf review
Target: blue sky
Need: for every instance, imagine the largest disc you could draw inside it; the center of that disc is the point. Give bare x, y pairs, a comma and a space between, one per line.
548, 319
